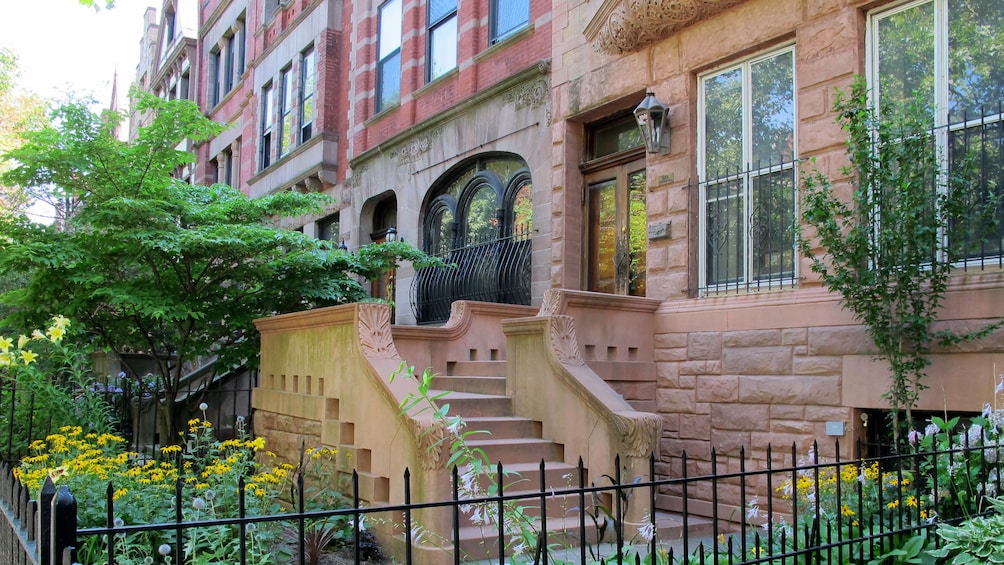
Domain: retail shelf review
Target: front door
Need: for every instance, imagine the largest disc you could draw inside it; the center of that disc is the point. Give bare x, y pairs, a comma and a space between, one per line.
617, 238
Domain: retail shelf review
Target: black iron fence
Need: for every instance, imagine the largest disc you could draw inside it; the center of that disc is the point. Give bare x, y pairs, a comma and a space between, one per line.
807, 511
491, 269
128, 406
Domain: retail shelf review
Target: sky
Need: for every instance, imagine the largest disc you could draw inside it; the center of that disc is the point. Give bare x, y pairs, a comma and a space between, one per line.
64, 47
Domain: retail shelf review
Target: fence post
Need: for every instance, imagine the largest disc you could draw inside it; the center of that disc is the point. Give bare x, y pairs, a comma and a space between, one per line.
64, 524
44, 528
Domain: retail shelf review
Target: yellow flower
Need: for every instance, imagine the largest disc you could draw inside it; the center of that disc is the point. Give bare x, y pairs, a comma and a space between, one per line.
60, 322
37, 334
22, 340
28, 357
893, 504
5, 343
5, 359
171, 449
119, 493
846, 510
56, 334
911, 501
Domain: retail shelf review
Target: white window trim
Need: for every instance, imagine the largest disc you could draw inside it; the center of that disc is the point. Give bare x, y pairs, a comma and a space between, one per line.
702, 259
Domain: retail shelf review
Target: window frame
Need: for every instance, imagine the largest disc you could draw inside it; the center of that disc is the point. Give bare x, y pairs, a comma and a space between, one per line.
495, 8
433, 28
748, 172
287, 133
308, 68
384, 62
943, 125
215, 71
265, 139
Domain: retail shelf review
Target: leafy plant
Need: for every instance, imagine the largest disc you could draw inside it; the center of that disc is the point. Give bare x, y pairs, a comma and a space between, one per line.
889, 251
977, 540
156, 266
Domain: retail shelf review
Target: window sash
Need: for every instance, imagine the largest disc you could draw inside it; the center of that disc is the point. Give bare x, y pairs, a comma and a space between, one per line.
307, 87
388, 87
747, 175
924, 50
507, 17
287, 134
266, 126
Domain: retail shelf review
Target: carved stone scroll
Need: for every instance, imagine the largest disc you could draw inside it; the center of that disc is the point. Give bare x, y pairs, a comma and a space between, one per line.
563, 341
549, 305
431, 444
637, 432
374, 331
625, 26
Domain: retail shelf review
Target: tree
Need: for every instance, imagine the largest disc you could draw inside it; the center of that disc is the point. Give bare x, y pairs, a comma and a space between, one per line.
19, 112
151, 264
889, 251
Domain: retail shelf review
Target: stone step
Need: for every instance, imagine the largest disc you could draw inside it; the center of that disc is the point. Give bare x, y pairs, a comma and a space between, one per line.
480, 542
472, 405
502, 427
480, 385
518, 450
493, 368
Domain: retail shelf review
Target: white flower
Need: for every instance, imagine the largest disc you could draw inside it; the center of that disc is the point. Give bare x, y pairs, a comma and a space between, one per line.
519, 548
913, 437
931, 429
752, 510
118, 522
1000, 384
647, 531
198, 503
203, 406
362, 523
164, 549
210, 494
456, 424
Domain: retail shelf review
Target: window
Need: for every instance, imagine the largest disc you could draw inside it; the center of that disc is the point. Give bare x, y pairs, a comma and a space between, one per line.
185, 86
228, 66
308, 85
327, 228
747, 177
225, 161
946, 55
215, 76
242, 40
287, 135
168, 34
442, 37
508, 17
388, 87
479, 217
267, 117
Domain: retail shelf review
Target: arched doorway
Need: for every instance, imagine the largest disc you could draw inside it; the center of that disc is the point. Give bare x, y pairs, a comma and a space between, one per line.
479, 216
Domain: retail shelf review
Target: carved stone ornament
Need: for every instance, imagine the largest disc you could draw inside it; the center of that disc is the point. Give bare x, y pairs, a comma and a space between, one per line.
563, 341
531, 94
637, 433
374, 331
625, 26
412, 150
431, 444
457, 310
549, 305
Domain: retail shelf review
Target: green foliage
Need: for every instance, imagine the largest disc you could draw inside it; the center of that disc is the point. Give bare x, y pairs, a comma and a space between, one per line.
977, 540
46, 383
154, 265
888, 251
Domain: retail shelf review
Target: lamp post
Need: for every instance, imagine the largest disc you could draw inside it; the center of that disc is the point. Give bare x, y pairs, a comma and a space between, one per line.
653, 121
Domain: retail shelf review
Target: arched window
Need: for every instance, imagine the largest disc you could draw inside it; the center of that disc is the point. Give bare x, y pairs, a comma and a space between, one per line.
479, 216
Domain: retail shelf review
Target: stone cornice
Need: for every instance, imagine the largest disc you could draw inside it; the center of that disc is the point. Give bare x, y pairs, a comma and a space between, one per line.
625, 26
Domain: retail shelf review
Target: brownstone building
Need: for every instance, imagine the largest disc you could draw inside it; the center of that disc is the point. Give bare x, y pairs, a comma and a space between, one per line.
501, 134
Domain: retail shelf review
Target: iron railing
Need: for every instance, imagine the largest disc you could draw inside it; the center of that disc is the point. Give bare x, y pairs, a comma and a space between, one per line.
809, 511
749, 223
489, 269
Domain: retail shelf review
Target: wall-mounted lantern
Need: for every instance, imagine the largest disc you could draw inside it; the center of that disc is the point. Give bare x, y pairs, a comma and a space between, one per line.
391, 234
653, 121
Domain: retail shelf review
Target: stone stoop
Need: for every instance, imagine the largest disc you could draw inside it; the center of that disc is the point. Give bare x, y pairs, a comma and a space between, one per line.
475, 391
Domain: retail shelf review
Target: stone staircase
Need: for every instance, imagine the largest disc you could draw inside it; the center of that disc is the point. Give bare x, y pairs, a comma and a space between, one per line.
476, 391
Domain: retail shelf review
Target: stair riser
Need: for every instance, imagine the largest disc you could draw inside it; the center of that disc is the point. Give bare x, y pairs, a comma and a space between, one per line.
480, 385
475, 407
514, 428
512, 453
